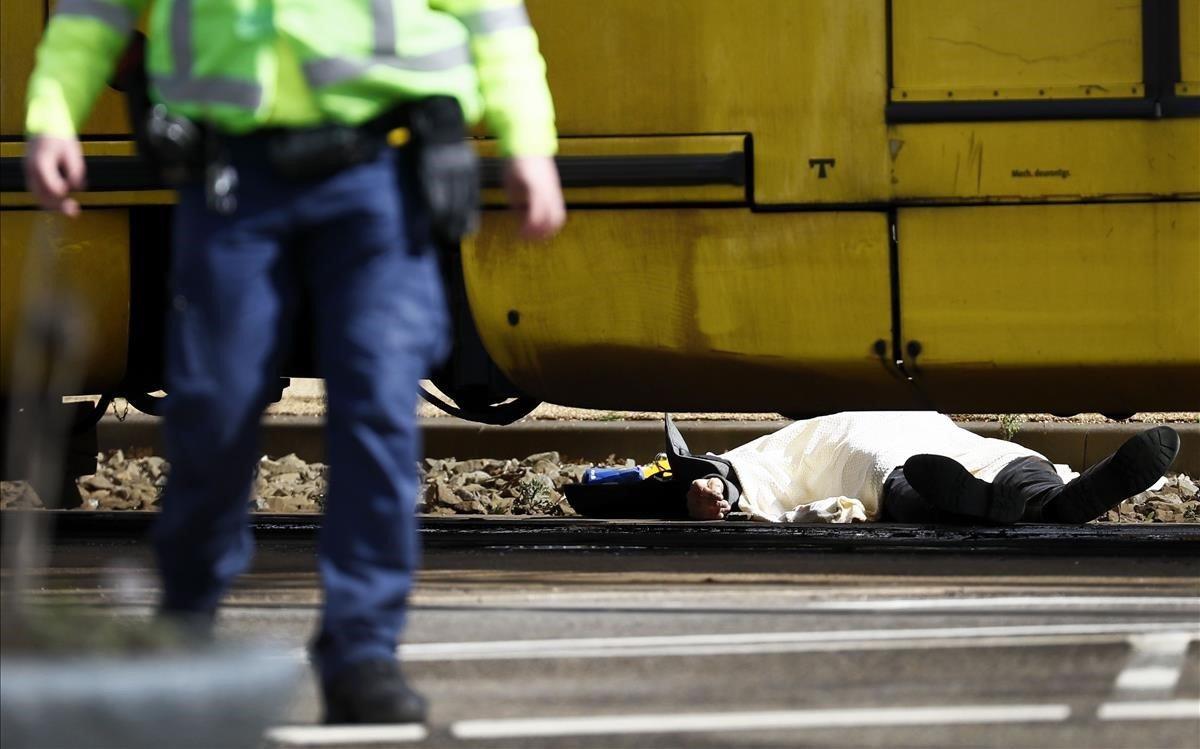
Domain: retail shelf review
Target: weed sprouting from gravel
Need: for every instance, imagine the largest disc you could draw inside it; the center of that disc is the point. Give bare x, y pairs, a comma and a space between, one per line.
1010, 424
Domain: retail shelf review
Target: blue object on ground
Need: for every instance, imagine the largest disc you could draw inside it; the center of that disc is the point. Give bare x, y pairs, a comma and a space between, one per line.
613, 475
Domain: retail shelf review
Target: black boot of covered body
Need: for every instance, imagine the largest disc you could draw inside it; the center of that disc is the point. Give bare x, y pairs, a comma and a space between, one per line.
1030, 489
949, 487
901, 503
1132, 469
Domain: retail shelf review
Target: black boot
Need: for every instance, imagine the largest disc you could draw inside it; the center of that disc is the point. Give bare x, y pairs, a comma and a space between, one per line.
901, 503
1132, 469
950, 488
372, 691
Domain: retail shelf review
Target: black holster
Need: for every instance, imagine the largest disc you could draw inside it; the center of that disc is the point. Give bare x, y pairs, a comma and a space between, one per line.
172, 146
447, 167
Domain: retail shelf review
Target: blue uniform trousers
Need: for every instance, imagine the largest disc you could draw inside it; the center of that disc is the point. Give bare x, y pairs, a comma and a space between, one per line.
357, 245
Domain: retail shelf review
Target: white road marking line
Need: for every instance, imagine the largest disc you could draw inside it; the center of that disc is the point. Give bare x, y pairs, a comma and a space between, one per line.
1148, 678
1157, 710
772, 642
730, 597
567, 599
1006, 602
608, 725
300, 736
806, 635
754, 643
1154, 666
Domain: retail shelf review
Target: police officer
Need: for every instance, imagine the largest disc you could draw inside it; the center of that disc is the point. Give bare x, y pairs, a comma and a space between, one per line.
292, 193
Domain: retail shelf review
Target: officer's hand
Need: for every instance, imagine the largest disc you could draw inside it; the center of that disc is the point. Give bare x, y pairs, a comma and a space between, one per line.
53, 168
536, 195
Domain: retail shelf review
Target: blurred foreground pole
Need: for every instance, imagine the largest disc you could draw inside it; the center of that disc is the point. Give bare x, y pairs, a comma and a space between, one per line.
47, 357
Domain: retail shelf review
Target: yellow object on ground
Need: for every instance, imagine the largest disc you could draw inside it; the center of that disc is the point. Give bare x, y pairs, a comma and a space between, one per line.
659, 466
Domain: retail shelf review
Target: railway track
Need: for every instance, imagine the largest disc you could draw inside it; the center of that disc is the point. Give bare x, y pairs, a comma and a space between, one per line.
1078, 445
474, 532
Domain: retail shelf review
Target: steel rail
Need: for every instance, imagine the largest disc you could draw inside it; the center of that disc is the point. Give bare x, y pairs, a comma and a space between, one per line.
476, 532
1078, 445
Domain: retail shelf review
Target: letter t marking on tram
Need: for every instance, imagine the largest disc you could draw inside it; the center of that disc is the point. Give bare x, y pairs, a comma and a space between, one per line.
821, 164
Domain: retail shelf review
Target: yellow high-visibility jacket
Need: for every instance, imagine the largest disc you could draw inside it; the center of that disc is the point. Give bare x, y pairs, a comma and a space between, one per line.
243, 64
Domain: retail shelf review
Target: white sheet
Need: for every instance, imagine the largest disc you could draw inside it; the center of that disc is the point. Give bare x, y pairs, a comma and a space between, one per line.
832, 468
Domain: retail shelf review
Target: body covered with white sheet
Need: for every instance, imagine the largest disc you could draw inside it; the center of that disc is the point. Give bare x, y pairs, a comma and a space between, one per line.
832, 468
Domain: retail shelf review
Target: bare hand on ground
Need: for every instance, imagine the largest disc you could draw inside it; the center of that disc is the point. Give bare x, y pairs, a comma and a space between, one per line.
534, 192
54, 167
706, 500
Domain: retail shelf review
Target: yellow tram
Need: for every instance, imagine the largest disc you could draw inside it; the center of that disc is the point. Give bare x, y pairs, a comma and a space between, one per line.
793, 205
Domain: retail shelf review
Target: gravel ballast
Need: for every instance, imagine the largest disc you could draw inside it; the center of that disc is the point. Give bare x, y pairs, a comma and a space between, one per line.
531, 486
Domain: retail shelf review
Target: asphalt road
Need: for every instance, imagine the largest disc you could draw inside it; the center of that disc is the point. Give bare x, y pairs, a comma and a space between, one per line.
587, 648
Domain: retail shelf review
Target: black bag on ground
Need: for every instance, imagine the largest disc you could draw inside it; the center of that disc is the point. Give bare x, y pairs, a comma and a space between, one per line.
655, 498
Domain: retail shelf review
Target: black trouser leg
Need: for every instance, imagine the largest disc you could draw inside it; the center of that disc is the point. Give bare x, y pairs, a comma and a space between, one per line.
900, 503
1031, 481
1035, 482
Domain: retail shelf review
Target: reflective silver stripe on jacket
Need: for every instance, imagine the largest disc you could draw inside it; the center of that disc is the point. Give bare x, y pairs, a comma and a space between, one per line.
210, 90
182, 86
181, 37
496, 19
119, 17
331, 70
328, 71
383, 17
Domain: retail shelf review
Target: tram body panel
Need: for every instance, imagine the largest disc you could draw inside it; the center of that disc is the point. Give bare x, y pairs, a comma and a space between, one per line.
1005, 162
1189, 48
806, 80
20, 29
1041, 304
91, 262
1017, 49
690, 309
